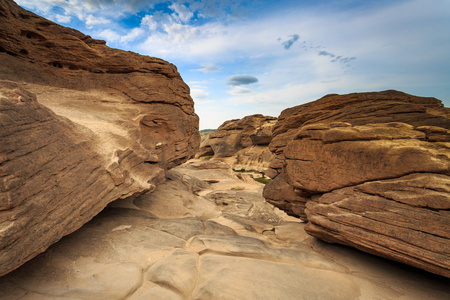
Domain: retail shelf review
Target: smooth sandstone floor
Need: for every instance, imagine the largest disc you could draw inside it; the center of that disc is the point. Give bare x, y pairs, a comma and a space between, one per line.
207, 234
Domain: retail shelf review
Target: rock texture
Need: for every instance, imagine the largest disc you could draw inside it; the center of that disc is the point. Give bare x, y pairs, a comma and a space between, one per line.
242, 142
81, 125
218, 242
363, 180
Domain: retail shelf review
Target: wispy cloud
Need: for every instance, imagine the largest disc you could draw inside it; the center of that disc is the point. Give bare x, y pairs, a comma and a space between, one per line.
325, 53
181, 12
239, 90
62, 18
200, 94
288, 44
209, 68
341, 59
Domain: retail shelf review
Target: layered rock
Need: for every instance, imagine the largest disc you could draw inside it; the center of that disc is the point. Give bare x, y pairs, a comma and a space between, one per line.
380, 187
82, 126
243, 140
194, 240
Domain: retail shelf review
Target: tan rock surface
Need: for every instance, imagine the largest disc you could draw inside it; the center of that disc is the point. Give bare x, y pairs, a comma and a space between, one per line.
87, 125
325, 159
404, 219
358, 109
386, 190
328, 150
242, 143
129, 253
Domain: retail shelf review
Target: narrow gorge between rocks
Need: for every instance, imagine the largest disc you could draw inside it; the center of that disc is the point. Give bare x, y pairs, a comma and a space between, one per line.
109, 191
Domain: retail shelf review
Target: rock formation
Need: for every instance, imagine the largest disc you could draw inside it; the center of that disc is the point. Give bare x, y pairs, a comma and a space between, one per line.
372, 170
81, 125
241, 142
196, 237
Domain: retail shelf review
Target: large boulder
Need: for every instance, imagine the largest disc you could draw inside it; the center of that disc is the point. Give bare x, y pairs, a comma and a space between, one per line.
244, 140
372, 174
81, 126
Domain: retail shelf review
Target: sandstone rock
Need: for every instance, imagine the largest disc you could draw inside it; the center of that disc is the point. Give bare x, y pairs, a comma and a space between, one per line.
283, 195
244, 141
404, 219
86, 126
327, 151
178, 271
322, 160
357, 109
186, 204
399, 218
128, 253
225, 277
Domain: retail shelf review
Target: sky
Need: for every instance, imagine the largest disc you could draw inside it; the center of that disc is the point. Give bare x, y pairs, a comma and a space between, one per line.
246, 57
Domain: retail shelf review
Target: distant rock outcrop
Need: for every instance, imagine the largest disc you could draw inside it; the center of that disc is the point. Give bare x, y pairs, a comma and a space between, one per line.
244, 140
81, 125
372, 170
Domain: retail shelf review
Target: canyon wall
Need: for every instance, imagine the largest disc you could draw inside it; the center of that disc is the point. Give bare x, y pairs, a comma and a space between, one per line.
82, 125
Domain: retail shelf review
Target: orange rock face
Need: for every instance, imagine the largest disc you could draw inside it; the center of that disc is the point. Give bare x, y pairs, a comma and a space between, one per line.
81, 125
373, 170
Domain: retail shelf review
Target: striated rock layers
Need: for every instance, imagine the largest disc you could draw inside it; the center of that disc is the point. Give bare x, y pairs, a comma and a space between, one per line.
81, 125
243, 140
369, 170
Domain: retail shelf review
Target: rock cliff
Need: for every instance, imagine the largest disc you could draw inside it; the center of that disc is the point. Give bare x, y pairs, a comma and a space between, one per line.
243, 143
81, 125
369, 170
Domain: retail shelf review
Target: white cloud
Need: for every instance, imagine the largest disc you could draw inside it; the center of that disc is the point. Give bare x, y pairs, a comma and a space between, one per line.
149, 22
239, 90
44, 5
209, 68
180, 33
182, 13
109, 35
63, 19
91, 20
132, 35
200, 94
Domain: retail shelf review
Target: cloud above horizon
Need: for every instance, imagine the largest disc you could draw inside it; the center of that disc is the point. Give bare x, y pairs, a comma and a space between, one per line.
288, 44
237, 80
209, 68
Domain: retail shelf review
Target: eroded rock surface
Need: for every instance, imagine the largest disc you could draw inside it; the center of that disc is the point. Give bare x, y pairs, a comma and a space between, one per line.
241, 142
247, 249
81, 125
379, 187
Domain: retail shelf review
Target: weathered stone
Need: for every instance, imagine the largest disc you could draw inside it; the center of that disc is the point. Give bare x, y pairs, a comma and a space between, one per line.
340, 158
186, 204
283, 196
339, 111
324, 160
404, 219
177, 271
87, 125
127, 253
243, 141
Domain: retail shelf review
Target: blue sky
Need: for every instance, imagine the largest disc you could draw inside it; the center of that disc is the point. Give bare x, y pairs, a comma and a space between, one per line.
247, 57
